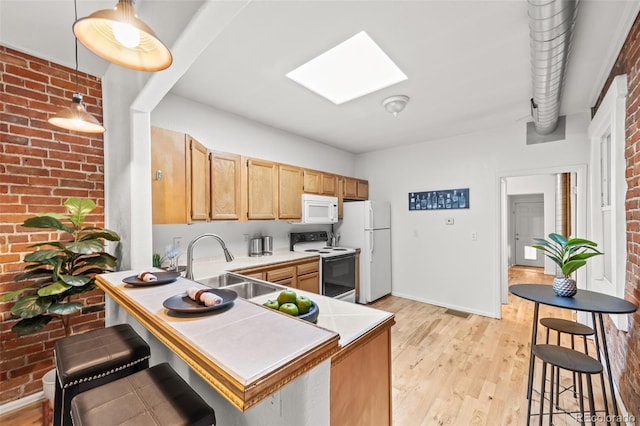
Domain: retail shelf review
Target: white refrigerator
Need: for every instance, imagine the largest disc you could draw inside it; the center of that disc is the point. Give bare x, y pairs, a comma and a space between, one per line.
367, 225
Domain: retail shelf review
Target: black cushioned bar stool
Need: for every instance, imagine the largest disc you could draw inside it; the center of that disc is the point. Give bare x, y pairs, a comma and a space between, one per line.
573, 329
155, 396
91, 359
567, 359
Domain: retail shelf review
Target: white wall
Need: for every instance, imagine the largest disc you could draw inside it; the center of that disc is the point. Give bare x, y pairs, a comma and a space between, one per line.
537, 184
227, 132
440, 264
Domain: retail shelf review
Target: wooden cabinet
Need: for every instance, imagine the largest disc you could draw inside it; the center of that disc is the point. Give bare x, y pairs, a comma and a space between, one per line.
289, 192
355, 189
316, 182
312, 181
280, 274
360, 389
262, 189
303, 274
180, 180
350, 188
329, 184
362, 190
190, 183
199, 180
225, 186
341, 180
169, 196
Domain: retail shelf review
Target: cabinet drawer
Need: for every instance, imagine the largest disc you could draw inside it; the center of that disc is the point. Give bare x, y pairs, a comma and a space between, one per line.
258, 275
308, 268
289, 282
276, 275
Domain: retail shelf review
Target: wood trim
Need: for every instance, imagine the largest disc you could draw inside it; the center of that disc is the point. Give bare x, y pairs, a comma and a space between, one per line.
362, 340
241, 396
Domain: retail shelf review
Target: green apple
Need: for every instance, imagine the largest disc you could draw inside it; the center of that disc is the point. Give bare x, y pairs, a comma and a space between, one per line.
289, 308
287, 296
273, 304
304, 304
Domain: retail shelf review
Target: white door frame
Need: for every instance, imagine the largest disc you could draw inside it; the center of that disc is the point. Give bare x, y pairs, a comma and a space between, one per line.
503, 208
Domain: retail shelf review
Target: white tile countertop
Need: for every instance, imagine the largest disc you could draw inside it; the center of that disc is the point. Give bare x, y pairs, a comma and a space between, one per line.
245, 351
247, 341
349, 320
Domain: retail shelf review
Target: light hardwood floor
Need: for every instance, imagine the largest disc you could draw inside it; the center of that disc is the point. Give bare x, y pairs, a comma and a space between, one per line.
449, 370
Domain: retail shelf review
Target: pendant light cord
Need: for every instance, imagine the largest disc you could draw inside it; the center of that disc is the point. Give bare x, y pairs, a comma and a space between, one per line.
75, 8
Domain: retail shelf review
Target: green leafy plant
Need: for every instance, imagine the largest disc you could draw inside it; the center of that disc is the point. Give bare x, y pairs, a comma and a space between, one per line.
60, 269
569, 254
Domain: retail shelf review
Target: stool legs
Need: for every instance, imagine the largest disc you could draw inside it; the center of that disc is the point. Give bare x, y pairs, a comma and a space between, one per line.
542, 391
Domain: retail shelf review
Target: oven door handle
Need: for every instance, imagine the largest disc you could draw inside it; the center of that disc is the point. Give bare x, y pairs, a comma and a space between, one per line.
337, 258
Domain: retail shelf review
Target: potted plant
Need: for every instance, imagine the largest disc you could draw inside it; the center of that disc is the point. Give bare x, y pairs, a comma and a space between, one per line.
60, 269
569, 254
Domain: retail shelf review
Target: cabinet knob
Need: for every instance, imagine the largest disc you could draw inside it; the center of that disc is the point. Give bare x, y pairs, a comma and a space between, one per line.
158, 174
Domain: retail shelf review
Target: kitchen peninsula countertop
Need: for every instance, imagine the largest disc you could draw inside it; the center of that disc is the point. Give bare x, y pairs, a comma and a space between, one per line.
261, 350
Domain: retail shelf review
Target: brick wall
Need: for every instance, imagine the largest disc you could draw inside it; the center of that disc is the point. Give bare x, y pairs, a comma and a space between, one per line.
625, 347
40, 167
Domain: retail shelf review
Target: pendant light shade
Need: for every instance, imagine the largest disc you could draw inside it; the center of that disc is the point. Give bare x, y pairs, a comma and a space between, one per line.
75, 117
118, 36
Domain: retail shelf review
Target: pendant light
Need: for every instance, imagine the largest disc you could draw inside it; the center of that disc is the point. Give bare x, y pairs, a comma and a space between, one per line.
75, 117
119, 36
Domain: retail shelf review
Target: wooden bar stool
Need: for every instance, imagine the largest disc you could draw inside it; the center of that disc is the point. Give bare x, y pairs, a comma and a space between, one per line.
560, 357
155, 396
573, 329
91, 359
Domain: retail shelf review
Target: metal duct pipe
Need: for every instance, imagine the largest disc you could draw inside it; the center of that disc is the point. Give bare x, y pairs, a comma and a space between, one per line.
551, 24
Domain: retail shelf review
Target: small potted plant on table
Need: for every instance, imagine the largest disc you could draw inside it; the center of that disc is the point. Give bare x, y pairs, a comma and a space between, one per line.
569, 254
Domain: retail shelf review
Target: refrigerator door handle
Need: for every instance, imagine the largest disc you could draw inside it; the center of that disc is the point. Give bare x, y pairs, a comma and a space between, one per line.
371, 245
371, 218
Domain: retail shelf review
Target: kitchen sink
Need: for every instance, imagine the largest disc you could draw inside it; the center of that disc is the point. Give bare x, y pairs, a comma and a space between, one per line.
251, 289
223, 280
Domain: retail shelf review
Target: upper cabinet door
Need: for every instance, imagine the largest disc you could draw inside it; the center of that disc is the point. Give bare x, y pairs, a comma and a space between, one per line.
225, 186
262, 182
169, 199
289, 192
329, 184
362, 191
200, 180
312, 182
350, 188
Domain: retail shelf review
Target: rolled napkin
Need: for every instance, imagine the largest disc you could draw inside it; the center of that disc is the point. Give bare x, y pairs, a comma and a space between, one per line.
147, 277
203, 296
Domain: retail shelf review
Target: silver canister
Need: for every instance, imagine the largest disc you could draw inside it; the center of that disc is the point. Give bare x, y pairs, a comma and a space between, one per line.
255, 247
267, 246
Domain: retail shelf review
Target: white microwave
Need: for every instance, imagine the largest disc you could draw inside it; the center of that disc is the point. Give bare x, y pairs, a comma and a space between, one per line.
319, 209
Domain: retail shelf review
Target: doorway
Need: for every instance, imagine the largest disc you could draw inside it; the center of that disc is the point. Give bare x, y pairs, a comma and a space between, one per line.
527, 214
578, 195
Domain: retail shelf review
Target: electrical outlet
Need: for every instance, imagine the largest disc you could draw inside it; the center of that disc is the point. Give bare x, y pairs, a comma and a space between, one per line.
474, 236
449, 221
177, 244
246, 237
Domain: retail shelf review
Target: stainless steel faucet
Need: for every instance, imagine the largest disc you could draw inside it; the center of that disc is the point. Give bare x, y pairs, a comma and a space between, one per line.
228, 256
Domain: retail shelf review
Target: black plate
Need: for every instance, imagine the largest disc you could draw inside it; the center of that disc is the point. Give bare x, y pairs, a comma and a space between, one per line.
183, 303
163, 278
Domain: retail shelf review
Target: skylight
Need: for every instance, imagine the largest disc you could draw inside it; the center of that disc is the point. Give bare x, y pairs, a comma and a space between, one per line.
354, 68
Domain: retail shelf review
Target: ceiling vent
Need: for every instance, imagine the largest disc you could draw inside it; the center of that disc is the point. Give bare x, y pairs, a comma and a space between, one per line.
551, 25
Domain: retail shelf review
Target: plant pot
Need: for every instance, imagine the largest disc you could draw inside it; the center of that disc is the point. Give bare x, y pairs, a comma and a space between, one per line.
49, 385
565, 287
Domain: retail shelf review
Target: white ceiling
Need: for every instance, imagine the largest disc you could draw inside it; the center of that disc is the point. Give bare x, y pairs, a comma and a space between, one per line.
467, 61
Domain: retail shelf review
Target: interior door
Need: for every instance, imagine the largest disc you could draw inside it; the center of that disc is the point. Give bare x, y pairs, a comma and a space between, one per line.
529, 224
